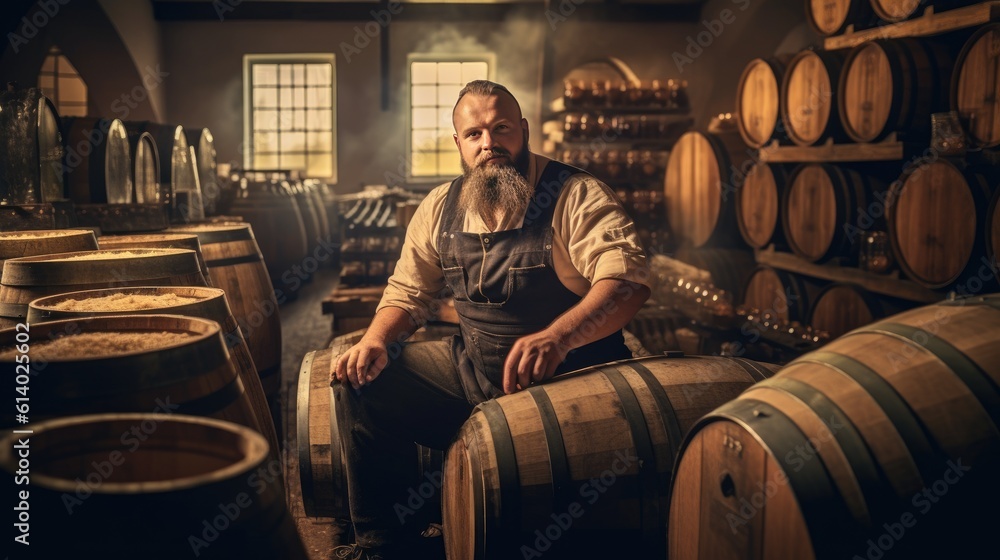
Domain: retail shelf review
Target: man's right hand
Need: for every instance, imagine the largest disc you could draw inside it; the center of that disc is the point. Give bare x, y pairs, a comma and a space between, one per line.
361, 364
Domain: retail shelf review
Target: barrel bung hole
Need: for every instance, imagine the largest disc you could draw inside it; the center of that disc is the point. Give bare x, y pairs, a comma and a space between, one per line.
727, 486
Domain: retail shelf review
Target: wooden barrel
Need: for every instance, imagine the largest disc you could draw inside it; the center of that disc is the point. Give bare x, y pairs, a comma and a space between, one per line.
809, 97
758, 205
893, 86
173, 486
594, 450
157, 241
28, 278
729, 268
898, 413
131, 363
702, 175
841, 308
821, 210
16, 244
31, 149
313, 189
310, 215
146, 170
207, 167
320, 452
757, 111
828, 17
235, 265
204, 303
900, 10
272, 210
993, 232
973, 87
98, 161
936, 222
780, 294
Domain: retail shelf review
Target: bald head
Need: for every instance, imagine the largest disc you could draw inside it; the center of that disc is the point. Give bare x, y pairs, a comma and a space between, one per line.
485, 88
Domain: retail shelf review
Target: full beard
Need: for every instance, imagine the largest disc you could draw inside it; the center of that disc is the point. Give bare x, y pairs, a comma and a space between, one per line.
496, 190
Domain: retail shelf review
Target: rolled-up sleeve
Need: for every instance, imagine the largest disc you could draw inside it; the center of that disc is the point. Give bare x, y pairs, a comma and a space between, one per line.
595, 234
417, 282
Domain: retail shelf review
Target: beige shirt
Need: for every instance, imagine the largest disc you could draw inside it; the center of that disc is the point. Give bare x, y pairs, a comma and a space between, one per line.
594, 238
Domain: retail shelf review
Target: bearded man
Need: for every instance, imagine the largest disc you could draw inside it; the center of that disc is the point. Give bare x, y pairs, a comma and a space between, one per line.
546, 269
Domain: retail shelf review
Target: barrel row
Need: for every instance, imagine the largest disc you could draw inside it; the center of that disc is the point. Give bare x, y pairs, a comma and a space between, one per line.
832, 17
868, 93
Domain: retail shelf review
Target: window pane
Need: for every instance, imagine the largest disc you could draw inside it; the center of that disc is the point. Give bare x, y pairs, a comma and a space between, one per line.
444, 119
318, 74
47, 83
425, 118
285, 74
72, 89
318, 97
293, 161
66, 67
293, 142
49, 64
324, 119
449, 163
299, 74
285, 120
265, 97
425, 165
265, 119
265, 161
446, 143
448, 95
450, 72
299, 119
285, 98
474, 71
299, 97
424, 96
319, 141
423, 73
265, 142
319, 167
423, 140
265, 74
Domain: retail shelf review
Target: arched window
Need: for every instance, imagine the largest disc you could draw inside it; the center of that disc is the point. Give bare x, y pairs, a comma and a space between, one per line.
62, 84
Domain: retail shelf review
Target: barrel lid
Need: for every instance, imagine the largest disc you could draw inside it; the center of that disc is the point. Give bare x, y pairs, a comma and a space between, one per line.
108, 265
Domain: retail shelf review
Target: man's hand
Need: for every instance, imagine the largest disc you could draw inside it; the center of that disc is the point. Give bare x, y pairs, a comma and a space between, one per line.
361, 364
533, 358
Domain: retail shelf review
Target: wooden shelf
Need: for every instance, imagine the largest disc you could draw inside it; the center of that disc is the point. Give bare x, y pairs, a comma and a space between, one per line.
876, 283
927, 24
889, 150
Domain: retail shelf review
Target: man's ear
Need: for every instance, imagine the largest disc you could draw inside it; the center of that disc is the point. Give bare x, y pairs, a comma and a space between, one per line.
455, 137
524, 125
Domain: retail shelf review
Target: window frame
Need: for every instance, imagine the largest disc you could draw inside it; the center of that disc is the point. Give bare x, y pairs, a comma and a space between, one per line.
249, 60
58, 55
488, 57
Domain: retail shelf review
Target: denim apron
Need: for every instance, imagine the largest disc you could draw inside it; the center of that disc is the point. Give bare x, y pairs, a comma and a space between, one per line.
505, 287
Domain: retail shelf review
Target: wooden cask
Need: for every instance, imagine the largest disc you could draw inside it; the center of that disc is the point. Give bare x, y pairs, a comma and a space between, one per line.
146, 170
780, 294
993, 232
809, 97
131, 363
206, 166
758, 205
310, 216
729, 268
840, 308
98, 162
900, 10
822, 208
27, 278
702, 176
973, 88
886, 438
157, 241
173, 486
31, 149
271, 208
757, 112
16, 244
236, 266
596, 448
832, 17
893, 86
937, 222
203, 303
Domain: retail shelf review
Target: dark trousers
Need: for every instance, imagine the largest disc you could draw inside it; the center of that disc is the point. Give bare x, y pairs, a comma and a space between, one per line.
418, 398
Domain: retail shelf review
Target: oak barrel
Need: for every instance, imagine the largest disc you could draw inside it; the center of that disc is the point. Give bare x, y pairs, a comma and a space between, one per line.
235, 265
993, 232
131, 363
841, 308
31, 149
974, 86
729, 268
98, 162
822, 208
758, 205
173, 486
937, 222
580, 465
203, 142
157, 241
270, 207
809, 97
703, 173
146, 170
15, 244
320, 452
780, 294
893, 86
757, 111
28, 278
903, 416
899, 10
831, 17
204, 303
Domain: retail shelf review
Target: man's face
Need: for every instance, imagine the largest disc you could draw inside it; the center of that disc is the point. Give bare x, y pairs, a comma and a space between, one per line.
489, 130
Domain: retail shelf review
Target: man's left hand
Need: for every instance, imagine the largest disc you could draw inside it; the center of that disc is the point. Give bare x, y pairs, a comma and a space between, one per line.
532, 359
